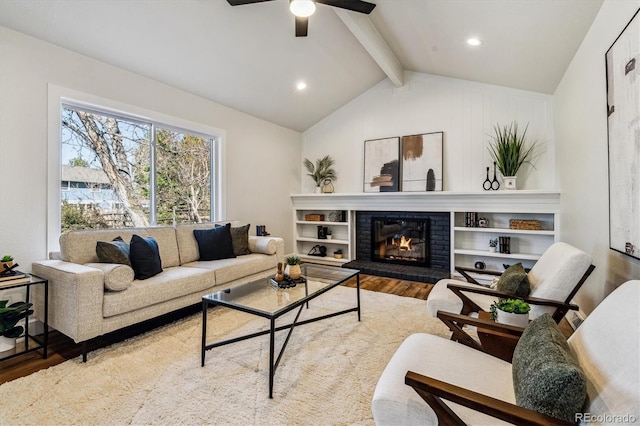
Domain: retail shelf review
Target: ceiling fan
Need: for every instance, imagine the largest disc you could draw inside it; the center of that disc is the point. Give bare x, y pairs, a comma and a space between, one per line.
302, 9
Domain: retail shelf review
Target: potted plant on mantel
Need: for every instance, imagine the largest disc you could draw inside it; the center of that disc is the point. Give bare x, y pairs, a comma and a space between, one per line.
320, 171
511, 311
10, 315
509, 151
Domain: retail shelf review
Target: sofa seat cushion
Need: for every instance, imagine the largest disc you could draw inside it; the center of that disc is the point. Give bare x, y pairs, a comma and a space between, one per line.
227, 270
169, 284
395, 403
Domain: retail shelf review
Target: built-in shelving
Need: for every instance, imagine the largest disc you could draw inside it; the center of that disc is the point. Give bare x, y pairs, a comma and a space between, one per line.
306, 235
468, 245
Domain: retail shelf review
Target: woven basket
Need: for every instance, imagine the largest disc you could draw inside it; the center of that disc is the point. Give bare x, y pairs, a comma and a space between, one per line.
314, 217
533, 225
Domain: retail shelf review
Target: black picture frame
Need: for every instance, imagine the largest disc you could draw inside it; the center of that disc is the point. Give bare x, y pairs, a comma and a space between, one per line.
422, 162
622, 62
382, 165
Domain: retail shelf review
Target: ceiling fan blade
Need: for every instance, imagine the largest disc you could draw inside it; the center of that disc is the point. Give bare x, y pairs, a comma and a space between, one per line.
302, 25
355, 5
241, 2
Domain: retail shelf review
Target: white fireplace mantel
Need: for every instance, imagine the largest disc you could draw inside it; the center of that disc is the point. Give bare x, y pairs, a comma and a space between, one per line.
533, 201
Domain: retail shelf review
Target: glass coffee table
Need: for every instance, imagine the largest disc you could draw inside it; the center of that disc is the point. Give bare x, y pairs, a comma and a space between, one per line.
264, 300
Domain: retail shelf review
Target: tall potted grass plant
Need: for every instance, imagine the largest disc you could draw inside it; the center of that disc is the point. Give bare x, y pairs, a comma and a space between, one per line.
510, 150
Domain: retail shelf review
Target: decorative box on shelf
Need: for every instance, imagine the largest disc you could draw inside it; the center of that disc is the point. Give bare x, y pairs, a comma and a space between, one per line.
314, 217
533, 225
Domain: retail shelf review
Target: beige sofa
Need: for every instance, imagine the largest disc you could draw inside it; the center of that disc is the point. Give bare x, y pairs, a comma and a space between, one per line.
83, 306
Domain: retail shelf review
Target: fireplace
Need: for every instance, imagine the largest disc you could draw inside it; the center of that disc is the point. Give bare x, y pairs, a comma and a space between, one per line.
400, 240
436, 244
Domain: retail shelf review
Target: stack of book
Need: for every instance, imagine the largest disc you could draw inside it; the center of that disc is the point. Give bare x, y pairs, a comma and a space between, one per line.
16, 277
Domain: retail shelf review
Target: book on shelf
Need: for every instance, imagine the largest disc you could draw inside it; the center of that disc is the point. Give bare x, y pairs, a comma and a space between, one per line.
16, 278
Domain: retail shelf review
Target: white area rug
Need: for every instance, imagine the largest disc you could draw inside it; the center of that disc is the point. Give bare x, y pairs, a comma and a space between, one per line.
326, 377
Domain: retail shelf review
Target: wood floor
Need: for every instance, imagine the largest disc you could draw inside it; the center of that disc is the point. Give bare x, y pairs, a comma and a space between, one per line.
61, 348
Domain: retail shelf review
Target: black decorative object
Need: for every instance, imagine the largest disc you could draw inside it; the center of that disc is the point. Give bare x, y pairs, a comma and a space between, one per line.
287, 282
318, 250
491, 184
479, 265
322, 232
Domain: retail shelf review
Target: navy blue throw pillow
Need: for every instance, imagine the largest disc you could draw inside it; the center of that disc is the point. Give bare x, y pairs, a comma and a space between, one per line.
145, 257
215, 243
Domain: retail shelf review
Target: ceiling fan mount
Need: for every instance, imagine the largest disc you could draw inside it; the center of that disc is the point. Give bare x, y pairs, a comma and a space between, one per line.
308, 8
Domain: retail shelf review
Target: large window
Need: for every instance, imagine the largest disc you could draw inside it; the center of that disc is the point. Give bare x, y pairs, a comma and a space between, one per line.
120, 171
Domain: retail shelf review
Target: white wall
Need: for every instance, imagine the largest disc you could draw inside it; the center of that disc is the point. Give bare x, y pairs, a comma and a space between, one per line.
464, 110
582, 167
262, 159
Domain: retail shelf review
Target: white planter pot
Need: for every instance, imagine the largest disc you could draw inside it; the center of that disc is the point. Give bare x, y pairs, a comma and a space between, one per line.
509, 182
293, 271
318, 190
7, 343
492, 249
509, 318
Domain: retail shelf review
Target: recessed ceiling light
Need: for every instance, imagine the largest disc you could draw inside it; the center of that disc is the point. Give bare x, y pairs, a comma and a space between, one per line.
301, 85
473, 41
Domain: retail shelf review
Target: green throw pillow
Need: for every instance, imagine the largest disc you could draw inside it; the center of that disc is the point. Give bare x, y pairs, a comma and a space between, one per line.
546, 377
514, 280
116, 251
240, 240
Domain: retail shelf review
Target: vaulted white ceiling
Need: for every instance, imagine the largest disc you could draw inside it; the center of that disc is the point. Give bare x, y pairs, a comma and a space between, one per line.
247, 57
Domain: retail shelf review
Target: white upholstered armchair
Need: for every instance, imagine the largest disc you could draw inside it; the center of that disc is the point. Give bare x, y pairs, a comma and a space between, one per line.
554, 280
431, 380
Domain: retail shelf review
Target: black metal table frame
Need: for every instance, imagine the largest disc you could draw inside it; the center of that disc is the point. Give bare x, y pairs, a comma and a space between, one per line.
44, 343
273, 365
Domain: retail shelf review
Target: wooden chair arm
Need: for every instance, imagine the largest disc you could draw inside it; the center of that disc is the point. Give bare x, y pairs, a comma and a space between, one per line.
465, 273
487, 324
505, 295
432, 390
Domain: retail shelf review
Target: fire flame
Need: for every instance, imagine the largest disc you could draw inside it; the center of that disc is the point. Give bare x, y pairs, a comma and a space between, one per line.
403, 243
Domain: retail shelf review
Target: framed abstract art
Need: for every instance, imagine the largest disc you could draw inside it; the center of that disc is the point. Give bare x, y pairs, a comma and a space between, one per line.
623, 125
421, 165
382, 165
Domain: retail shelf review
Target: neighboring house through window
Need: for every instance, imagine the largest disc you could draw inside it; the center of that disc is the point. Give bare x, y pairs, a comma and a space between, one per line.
118, 170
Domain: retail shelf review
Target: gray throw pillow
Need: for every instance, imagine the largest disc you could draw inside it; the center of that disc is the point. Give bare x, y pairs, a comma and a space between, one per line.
240, 240
116, 251
546, 377
514, 280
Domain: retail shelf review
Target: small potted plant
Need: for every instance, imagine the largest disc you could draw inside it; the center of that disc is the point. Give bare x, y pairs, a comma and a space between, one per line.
328, 234
508, 149
320, 171
510, 311
10, 315
6, 259
337, 254
292, 269
493, 243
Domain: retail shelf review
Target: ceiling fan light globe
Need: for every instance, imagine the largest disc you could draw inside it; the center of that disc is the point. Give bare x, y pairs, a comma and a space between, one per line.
302, 8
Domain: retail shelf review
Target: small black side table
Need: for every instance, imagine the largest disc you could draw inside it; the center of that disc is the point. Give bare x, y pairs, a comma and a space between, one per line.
42, 343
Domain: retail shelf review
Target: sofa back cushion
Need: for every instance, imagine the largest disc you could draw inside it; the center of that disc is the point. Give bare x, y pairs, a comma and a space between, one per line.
187, 244
80, 246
